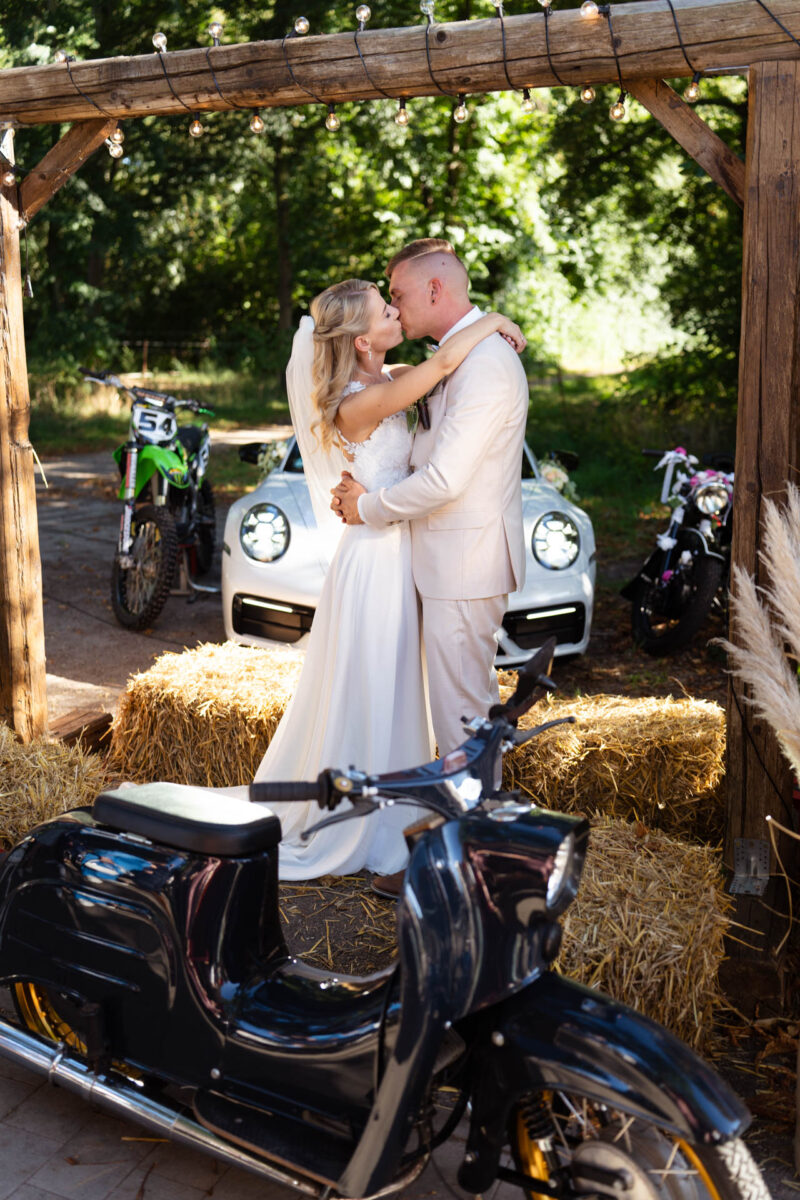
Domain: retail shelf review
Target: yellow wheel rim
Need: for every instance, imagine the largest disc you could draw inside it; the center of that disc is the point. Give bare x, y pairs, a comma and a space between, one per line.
532, 1160
40, 1016
695, 1162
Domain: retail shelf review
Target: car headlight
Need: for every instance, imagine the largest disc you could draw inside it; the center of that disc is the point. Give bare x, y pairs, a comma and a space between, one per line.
264, 533
562, 877
711, 498
556, 541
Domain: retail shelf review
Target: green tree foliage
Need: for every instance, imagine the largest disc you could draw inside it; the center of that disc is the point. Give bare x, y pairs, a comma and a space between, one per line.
222, 241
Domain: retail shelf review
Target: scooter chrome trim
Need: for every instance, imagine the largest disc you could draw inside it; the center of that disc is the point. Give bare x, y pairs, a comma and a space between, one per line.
128, 1104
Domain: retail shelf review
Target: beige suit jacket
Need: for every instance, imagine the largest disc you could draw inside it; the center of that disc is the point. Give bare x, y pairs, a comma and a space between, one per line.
463, 499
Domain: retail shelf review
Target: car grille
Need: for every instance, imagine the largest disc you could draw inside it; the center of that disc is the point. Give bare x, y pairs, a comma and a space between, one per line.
529, 627
270, 618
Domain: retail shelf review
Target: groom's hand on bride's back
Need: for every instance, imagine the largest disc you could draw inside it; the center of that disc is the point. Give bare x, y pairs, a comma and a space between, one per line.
345, 499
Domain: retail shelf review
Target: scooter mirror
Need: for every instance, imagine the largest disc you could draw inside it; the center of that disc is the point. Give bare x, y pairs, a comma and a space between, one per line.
532, 682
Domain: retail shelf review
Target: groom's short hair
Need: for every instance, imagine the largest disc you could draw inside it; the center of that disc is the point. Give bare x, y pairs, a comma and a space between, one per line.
421, 248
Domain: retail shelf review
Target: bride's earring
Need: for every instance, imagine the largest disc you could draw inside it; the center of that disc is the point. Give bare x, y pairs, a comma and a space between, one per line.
369, 353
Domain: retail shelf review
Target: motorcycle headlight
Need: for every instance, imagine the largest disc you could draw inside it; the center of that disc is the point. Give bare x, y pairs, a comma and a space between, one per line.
264, 533
711, 498
562, 882
556, 541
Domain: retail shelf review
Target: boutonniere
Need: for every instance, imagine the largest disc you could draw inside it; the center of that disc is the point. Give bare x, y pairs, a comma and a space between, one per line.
412, 418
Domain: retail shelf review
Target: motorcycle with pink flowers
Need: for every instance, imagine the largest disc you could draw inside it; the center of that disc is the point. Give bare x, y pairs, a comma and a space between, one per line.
687, 573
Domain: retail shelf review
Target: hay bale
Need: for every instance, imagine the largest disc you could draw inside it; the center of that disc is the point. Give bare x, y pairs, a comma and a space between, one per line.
204, 716
647, 926
41, 780
657, 760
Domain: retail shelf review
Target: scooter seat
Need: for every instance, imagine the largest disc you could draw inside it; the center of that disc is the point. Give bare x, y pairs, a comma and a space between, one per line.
190, 818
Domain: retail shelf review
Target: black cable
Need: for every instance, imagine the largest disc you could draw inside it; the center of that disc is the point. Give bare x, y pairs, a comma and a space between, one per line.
499, 13
372, 82
778, 22
294, 78
434, 80
689, 62
752, 741
224, 99
606, 11
82, 93
563, 82
160, 54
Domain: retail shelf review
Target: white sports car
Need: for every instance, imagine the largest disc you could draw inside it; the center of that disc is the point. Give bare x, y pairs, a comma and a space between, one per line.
273, 564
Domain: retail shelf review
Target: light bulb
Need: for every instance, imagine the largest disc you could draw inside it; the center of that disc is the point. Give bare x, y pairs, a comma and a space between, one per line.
256, 123
588, 93
115, 150
426, 6
693, 90
589, 8
460, 113
215, 32
617, 111
302, 25
527, 104
332, 122
545, 3
60, 56
196, 129
401, 116
9, 178
160, 41
363, 13
118, 136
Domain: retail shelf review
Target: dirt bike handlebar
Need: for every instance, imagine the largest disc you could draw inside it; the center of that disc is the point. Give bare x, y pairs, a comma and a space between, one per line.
110, 379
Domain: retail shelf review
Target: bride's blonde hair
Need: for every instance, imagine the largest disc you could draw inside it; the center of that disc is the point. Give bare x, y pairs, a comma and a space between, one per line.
341, 314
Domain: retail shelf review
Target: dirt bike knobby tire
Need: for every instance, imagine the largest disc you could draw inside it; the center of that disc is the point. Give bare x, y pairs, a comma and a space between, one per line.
139, 593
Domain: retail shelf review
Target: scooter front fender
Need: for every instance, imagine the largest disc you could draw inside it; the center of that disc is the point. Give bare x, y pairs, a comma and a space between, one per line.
557, 1035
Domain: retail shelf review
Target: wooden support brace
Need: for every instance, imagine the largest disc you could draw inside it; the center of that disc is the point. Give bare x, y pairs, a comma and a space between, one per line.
690, 131
61, 162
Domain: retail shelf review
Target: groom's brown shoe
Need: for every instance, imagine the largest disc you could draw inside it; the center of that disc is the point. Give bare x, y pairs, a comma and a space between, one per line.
389, 886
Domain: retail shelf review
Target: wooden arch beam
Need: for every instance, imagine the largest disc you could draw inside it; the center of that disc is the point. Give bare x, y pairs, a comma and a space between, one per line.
719, 35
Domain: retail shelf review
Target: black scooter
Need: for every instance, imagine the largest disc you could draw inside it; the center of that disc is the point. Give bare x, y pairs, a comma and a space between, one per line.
141, 942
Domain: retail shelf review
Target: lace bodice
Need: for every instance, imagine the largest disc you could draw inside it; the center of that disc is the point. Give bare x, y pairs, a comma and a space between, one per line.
383, 459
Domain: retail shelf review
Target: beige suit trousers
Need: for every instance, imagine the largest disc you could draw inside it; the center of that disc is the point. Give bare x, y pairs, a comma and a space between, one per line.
459, 651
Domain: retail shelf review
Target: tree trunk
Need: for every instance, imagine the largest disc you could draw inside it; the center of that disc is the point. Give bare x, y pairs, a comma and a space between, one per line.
282, 237
23, 698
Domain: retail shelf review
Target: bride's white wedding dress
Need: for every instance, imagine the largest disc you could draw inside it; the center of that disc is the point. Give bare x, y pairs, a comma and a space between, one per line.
361, 698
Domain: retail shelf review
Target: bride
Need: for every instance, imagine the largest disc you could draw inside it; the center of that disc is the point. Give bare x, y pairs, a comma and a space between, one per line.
360, 698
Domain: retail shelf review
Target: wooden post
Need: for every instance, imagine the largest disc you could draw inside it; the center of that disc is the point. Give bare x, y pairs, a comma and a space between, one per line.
759, 778
23, 699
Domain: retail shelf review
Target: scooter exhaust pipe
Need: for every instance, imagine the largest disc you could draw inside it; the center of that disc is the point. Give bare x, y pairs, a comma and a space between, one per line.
126, 1102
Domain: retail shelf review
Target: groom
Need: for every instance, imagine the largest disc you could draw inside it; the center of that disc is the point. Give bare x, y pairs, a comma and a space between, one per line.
463, 499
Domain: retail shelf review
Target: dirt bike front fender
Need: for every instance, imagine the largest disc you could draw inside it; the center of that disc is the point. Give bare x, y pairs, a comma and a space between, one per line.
557, 1035
167, 462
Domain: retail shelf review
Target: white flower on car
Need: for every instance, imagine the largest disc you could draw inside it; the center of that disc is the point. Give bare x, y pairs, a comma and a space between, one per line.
554, 475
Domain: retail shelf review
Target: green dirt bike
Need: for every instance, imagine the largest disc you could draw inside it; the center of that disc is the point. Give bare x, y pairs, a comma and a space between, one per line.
167, 523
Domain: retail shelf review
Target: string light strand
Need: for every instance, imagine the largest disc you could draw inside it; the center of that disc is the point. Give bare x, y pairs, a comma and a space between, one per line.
67, 59
550, 63
223, 98
693, 90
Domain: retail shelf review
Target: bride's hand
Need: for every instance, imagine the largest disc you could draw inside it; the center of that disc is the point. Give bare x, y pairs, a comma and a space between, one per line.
512, 334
